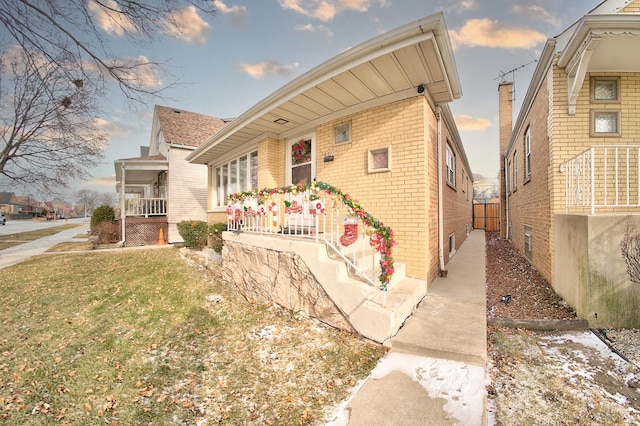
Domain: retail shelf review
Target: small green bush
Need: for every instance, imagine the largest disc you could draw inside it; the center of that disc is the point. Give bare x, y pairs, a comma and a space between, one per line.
102, 214
215, 236
194, 233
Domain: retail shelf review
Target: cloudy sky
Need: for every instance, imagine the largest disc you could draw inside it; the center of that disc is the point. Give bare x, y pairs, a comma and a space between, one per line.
227, 63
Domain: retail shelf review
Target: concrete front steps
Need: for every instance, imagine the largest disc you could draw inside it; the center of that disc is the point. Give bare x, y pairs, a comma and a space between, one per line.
373, 313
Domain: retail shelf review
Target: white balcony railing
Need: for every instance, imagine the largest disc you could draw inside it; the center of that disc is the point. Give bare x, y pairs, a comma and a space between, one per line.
603, 178
314, 212
146, 207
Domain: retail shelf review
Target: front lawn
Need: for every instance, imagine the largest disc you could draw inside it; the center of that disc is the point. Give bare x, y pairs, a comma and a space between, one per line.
144, 337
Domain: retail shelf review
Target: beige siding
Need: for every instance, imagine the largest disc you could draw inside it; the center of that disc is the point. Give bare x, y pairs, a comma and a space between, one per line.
187, 191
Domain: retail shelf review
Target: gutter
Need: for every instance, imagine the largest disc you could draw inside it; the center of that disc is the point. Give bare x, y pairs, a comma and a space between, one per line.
443, 271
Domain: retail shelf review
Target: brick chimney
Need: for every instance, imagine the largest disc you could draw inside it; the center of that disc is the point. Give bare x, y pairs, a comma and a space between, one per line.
505, 116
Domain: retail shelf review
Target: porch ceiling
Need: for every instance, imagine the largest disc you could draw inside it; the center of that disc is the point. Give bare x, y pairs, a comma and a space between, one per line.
387, 68
141, 170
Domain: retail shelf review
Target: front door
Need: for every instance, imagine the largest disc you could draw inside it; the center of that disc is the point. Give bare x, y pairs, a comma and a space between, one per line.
301, 169
301, 160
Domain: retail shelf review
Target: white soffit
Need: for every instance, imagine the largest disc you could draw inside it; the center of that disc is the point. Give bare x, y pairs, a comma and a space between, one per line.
381, 70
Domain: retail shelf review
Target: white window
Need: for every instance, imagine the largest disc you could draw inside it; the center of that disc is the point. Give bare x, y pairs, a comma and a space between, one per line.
452, 243
451, 167
528, 242
527, 153
239, 174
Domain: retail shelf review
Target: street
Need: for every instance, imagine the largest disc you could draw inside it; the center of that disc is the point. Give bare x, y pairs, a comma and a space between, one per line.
17, 226
18, 253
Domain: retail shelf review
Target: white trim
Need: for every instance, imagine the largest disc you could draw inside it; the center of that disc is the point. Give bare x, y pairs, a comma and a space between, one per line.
290, 142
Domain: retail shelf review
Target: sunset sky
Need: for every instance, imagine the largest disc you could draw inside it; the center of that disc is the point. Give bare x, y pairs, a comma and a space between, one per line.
227, 63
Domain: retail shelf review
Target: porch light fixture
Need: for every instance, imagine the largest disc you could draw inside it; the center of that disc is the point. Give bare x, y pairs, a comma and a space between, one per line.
281, 121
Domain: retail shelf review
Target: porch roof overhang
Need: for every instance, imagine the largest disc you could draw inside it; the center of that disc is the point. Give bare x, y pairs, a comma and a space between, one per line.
414, 59
139, 170
600, 43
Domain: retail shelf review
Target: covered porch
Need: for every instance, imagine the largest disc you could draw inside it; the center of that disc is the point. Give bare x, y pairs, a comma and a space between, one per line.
141, 183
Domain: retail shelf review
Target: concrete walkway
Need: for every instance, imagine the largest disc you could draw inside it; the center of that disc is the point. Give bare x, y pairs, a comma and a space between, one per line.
434, 373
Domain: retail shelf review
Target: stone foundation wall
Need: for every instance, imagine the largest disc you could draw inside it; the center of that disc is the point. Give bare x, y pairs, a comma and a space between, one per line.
279, 277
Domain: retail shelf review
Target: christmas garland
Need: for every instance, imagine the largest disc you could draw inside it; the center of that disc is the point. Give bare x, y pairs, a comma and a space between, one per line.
381, 236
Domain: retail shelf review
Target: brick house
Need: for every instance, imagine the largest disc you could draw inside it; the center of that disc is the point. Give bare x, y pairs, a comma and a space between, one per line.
373, 125
569, 163
9, 203
159, 189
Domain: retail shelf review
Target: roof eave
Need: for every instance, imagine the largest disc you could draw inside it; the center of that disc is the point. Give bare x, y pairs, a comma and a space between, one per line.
430, 27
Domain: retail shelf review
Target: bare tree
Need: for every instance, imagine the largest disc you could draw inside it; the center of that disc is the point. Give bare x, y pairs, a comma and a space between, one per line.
107, 199
88, 199
76, 31
59, 66
48, 135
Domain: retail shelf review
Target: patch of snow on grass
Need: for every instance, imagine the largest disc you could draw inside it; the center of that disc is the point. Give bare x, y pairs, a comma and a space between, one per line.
461, 385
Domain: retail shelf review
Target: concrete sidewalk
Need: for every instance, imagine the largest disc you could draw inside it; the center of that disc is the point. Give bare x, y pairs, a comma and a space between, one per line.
21, 252
434, 373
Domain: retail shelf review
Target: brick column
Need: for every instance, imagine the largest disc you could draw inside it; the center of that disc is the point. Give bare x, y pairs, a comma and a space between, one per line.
505, 113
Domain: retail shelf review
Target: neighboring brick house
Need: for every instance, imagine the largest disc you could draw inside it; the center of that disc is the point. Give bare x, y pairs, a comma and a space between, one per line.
160, 189
569, 164
373, 121
9, 203
30, 207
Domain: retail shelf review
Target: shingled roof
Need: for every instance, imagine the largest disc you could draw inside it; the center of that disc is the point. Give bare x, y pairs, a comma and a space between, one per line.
187, 128
8, 198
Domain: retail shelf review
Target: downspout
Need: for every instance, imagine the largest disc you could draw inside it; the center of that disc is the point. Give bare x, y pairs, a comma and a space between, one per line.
506, 197
123, 213
443, 271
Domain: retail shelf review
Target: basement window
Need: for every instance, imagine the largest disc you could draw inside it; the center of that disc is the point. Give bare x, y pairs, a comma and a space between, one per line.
528, 243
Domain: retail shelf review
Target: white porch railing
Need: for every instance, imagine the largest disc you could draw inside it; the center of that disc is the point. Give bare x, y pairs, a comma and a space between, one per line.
603, 178
146, 207
319, 212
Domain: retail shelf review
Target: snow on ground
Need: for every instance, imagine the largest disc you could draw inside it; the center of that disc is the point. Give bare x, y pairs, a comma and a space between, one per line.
461, 385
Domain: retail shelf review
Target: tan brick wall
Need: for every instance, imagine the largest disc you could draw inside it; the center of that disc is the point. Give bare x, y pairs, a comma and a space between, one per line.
397, 197
557, 136
404, 198
409, 191
457, 200
529, 202
270, 163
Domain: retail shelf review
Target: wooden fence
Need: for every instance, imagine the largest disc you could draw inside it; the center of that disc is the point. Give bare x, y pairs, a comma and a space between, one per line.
486, 216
